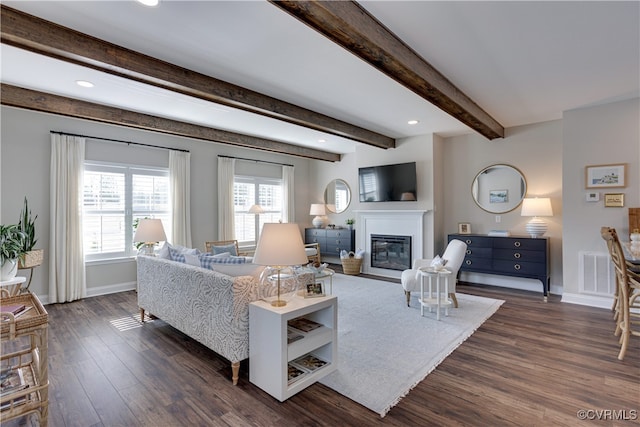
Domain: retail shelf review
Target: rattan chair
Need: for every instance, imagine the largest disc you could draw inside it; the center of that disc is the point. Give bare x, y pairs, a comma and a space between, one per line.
313, 252
226, 244
627, 306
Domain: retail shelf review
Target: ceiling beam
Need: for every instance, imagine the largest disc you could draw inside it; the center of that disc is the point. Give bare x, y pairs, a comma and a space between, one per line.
37, 35
349, 25
14, 96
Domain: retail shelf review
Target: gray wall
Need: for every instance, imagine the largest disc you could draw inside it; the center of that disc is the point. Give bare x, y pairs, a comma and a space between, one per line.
552, 156
603, 134
24, 171
536, 150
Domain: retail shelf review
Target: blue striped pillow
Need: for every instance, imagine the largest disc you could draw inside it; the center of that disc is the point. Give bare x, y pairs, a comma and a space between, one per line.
208, 261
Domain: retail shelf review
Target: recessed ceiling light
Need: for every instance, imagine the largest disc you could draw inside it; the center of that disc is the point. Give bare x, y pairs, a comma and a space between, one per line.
84, 83
149, 2
413, 122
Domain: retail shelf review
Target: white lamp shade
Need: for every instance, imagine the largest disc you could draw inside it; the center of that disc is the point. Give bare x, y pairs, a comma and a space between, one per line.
150, 230
539, 206
280, 244
256, 209
317, 209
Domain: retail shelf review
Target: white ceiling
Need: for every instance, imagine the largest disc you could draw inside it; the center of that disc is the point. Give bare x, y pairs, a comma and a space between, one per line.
522, 62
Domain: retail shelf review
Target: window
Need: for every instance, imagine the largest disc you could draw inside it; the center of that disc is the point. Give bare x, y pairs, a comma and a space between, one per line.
247, 191
115, 195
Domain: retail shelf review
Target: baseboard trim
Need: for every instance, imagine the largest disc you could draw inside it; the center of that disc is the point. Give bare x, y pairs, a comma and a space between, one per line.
589, 300
99, 290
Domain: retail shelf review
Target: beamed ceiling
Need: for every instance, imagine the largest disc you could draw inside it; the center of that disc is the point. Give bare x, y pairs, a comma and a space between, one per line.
313, 79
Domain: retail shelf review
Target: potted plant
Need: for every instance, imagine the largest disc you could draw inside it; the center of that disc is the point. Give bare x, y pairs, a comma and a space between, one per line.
27, 225
11, 250
350, 223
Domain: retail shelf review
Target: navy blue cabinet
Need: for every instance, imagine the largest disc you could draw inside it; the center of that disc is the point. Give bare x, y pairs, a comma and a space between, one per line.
508, 256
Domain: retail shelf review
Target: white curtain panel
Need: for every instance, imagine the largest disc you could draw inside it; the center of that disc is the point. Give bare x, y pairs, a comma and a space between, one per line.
180, 194
288, 210
226, 222
67, 281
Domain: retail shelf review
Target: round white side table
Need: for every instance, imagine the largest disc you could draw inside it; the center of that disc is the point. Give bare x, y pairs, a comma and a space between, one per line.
441, 297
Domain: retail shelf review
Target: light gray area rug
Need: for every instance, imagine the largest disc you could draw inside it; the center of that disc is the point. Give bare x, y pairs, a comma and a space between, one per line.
386, 348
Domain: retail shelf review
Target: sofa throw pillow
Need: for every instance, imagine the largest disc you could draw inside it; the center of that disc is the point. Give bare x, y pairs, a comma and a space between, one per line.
209, 261
178, 253
231, 248
192, 259
222, 255
166, 254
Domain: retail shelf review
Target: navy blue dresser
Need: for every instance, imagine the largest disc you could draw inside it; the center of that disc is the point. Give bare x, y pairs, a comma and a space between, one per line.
515, 256
331, 241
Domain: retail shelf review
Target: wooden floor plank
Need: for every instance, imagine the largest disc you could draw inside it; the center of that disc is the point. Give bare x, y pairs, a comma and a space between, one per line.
532, 363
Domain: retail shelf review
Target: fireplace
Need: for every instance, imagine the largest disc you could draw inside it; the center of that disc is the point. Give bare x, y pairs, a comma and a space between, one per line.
390, 252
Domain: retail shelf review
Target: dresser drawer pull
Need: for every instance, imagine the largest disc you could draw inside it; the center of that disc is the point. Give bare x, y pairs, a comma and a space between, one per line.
516, 266
468, 251
468, 262
516, 255
468, 241
516, 244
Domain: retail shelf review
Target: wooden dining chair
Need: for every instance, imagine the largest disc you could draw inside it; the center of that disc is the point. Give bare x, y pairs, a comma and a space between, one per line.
628, 301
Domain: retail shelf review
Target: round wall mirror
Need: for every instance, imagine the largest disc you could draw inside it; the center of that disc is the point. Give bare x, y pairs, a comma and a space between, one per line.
499, 188
337, 196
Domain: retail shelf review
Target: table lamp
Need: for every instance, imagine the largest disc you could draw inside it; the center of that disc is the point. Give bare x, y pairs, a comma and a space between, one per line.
256, 209
319, 211
279, 247
150, 232
536, 207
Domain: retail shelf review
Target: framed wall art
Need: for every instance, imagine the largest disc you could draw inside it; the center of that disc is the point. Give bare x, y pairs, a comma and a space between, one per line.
614, 200
498, 196
606, 176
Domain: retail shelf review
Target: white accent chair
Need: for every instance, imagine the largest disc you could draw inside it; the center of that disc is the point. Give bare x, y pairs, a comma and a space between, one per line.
453, 254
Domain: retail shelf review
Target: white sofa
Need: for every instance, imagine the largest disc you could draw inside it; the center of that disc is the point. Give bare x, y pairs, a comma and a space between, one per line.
210, 307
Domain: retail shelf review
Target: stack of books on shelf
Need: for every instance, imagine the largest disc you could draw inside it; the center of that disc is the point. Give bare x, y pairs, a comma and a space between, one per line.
304, 325
12, 381
297, 328
302, 366
16, 309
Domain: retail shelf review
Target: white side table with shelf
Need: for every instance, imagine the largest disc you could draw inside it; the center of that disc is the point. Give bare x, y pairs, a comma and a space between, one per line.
270, 352
441, 297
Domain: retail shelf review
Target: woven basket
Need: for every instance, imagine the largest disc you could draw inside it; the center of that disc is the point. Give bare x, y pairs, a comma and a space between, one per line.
31, 259
36, 318
351, 265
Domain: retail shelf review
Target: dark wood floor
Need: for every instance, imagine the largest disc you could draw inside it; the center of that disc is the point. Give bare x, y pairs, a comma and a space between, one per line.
531, 364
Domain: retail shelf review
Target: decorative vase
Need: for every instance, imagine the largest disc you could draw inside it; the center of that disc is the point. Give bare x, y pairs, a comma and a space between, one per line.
278, 285
9, 269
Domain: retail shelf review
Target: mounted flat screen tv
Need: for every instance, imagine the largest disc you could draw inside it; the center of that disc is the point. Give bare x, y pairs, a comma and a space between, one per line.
388, 183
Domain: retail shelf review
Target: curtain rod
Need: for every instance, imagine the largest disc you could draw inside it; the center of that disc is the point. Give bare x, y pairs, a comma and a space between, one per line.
118, 140
254, 160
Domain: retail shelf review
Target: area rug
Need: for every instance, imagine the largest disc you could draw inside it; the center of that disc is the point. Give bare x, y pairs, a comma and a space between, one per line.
386, 348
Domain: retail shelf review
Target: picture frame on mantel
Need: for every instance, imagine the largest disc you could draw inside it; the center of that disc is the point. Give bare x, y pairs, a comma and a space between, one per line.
464, 228
606, 176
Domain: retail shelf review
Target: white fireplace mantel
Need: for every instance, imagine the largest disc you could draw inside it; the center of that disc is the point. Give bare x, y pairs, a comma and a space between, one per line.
394, 222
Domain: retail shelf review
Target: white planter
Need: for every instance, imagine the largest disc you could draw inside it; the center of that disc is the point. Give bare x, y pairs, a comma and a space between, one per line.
9, 269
